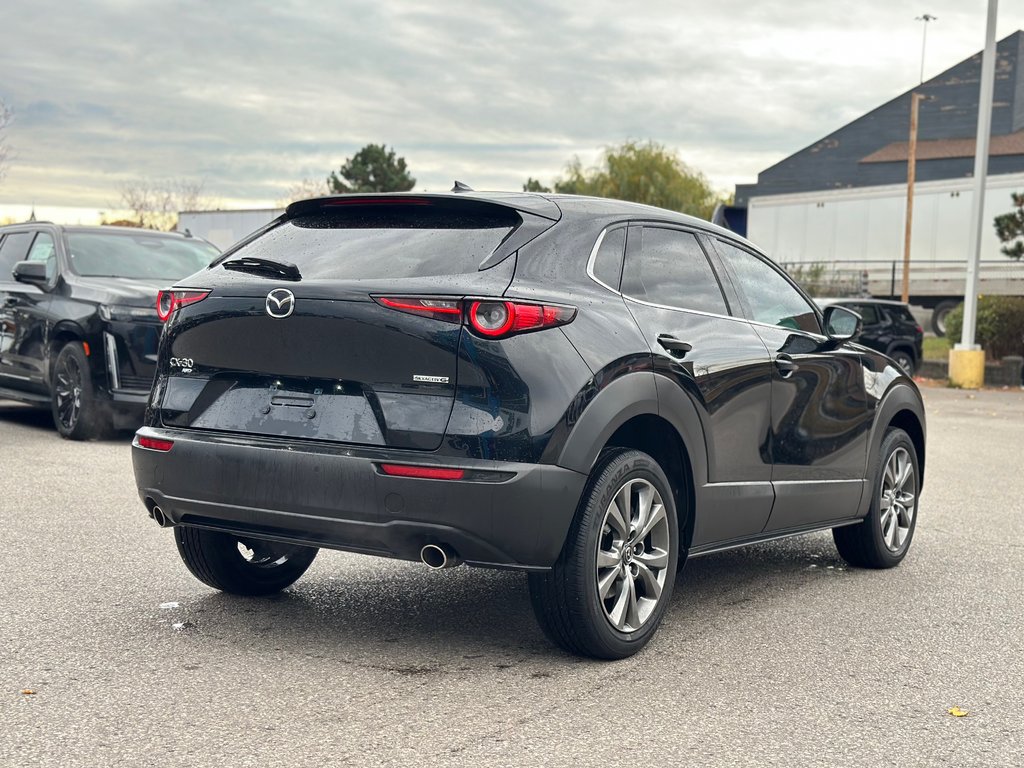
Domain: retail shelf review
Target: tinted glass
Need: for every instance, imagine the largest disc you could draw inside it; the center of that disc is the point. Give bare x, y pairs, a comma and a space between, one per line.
141, 255
608, 262
389, 243
772, 298
670, 268
868, 312
13, 249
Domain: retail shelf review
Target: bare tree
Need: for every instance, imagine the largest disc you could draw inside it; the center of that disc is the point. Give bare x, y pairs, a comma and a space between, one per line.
155, 204
304, 190
6, 118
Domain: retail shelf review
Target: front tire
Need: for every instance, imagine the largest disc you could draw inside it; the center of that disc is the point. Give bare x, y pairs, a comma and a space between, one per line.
904, 360
883, 538
240, 565
610, 587
76, 413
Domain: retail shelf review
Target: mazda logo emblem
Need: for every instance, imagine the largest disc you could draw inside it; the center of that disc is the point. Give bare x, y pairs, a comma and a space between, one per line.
280, 303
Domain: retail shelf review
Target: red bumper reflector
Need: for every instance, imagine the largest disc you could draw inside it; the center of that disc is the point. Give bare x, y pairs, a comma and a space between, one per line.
154, 444
429, 473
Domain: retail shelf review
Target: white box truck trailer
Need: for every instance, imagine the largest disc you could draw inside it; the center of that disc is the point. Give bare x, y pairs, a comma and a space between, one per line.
856, 237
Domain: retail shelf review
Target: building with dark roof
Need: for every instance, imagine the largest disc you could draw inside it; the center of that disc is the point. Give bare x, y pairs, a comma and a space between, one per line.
872, 150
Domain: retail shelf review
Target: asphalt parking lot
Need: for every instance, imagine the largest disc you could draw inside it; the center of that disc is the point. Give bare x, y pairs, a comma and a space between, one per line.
777, 655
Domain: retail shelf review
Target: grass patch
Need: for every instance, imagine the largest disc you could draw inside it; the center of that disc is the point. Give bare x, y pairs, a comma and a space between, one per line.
936, 348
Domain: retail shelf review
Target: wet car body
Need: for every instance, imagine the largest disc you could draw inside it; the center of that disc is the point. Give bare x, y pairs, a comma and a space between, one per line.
364, 418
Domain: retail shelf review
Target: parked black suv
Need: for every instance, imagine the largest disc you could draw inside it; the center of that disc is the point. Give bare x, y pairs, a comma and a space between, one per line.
887, 326
78, 319
587, 390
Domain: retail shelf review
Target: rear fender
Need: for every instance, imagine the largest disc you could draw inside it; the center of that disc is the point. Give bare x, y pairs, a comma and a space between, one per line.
631, 395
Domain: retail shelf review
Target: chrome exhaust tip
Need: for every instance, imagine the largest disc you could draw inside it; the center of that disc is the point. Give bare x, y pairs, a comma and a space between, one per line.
158, 514
438, 556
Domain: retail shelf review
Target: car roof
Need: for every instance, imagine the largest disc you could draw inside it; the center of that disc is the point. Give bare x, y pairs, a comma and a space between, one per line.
550, 206
92, 228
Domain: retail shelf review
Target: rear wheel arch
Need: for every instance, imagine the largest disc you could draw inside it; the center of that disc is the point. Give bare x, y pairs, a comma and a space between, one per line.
636, 411
900, 407
659, 439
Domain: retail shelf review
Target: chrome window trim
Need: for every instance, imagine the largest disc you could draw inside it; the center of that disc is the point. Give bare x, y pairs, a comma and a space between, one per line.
684, 309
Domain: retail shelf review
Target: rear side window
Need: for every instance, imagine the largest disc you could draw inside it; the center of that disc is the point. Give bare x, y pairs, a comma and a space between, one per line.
773, 300
670, 269
385, 241
608, 261
13, 249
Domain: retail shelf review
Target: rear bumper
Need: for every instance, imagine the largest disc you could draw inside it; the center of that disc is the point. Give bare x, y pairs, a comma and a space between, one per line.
334, 496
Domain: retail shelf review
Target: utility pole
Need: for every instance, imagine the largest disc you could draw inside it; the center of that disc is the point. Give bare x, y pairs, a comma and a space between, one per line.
966, 359
924, 38
915, 101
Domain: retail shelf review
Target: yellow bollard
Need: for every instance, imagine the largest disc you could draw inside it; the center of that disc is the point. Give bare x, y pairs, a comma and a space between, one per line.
967, 368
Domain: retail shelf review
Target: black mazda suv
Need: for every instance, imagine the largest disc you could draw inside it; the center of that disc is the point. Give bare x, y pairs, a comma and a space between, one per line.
586, 390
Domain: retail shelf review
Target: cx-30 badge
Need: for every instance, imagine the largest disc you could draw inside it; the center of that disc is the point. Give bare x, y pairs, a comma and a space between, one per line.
280, 303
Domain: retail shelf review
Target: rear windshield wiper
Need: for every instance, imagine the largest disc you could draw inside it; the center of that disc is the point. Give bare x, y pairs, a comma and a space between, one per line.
267, 267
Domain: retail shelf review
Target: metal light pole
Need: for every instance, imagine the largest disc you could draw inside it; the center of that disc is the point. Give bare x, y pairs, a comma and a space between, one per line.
967, 360
924, 38
915, 100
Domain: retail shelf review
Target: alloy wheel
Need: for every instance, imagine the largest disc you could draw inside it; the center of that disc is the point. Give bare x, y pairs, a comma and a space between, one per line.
633, 555
898, 499
68, 390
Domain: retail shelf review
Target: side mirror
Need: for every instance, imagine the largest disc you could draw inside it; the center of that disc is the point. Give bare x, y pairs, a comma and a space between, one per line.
841, 324
31, 272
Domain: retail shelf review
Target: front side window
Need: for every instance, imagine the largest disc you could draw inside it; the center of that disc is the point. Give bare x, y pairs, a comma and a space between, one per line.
13, 249
43, 249
772, 299
671, 269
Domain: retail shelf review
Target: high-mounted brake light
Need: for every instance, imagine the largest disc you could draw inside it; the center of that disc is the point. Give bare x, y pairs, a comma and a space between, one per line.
169, 301
342, 201
492, 318
428, 473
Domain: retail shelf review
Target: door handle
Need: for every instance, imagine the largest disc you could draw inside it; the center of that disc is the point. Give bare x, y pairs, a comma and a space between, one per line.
785, 365
675, 347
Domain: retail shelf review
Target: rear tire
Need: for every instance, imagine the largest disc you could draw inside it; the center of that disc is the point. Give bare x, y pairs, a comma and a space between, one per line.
610, 587
882, 539
240, 565
939, 315
76, 413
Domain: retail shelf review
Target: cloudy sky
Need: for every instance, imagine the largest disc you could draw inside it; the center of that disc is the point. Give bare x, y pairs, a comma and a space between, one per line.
252, 97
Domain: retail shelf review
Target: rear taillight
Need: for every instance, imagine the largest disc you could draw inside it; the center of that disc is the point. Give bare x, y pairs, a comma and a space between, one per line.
491, 318
449, 310
167, 302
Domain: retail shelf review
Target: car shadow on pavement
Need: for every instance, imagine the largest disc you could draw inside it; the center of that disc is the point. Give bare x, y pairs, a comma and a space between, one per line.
362, 613
27, 415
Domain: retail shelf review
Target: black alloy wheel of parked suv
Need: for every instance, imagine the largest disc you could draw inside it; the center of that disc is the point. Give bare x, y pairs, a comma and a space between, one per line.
586, 390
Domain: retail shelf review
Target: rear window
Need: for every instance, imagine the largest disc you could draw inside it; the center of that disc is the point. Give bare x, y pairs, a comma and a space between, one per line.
392, 242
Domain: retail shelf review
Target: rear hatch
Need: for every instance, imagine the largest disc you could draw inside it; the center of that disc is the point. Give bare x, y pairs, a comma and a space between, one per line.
318, 329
